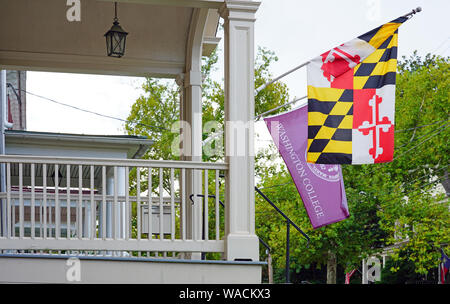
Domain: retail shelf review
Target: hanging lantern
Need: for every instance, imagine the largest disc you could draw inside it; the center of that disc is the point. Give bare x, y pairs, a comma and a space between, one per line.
116, 38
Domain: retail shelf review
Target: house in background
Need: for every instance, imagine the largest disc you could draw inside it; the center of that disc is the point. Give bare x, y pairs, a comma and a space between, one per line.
40, 183
16, 82
58, 202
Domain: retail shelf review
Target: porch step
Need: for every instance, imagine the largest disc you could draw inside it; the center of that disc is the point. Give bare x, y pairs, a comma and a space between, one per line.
32, 268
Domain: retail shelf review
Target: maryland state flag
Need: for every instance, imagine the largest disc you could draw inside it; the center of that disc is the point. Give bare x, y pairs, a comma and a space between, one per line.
351, 100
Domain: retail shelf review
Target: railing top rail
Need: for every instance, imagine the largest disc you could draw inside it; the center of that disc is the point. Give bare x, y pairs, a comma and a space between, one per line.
31, 159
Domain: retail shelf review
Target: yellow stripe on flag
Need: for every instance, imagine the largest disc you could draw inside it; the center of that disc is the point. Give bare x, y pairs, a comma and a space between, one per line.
324, 94
309, 142
312, 157
394, 41
385, 67
341, 108
373, 58
325, 133
336, 146
359, 82
383, 33
316, 118
347, 122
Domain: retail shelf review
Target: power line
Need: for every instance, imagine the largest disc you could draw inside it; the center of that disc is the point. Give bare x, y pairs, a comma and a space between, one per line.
417, 138
92, 112
443, 52
425, 140
440, 45
443, 127
162, 128
422, 126
402, 194
408, 193
258, 117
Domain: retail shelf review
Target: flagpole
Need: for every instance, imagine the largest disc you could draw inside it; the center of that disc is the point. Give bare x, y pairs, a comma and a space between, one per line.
414, 11
279, 77
279, 107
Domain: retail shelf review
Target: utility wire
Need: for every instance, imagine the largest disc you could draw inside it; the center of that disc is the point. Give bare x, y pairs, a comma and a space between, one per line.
408, 194
444, 126
165, 129
440, 45
401, 195
92, 112
422, 126
428, 133
407, 184
425, 140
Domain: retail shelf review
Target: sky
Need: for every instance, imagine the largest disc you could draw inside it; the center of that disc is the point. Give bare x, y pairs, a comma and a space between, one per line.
295, 30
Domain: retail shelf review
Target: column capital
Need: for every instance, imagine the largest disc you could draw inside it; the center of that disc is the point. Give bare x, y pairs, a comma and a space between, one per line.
239, 10
193, 78
179, 80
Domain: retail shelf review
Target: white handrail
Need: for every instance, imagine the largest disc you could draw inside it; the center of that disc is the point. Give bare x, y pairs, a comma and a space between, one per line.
111, 162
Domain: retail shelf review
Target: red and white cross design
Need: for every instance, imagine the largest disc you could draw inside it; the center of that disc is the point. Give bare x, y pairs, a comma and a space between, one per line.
375, 127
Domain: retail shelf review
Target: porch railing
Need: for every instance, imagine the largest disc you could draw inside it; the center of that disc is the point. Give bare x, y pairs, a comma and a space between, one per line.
80, 204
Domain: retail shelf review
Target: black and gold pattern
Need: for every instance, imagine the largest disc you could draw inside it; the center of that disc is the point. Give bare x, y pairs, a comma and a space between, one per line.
330, 110
331, 137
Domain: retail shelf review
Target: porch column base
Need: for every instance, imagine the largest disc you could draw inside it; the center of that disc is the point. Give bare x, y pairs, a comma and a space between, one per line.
242, 247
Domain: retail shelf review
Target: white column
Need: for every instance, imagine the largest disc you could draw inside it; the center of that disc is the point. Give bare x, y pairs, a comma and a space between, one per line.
191, 116
241, 241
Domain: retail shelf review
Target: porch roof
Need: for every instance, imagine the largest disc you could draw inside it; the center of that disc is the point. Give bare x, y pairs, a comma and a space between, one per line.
77, 145
36, 35
133, 146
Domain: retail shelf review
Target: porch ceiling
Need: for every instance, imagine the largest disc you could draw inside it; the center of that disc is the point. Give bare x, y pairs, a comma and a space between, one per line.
36, 35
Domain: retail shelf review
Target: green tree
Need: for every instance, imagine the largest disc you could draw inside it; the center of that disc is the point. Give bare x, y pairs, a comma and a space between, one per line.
389, 203
419, 216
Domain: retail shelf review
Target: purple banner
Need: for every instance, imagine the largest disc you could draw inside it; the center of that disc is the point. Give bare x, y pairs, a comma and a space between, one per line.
321, 187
